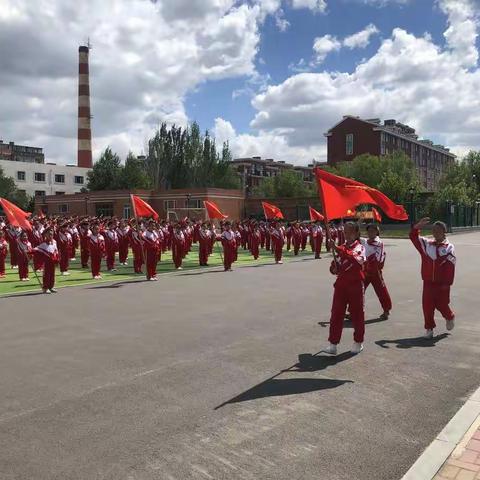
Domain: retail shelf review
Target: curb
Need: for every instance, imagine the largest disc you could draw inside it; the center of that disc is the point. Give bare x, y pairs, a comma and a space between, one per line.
456, 433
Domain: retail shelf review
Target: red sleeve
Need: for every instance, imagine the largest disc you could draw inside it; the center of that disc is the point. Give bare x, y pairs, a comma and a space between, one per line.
416, 240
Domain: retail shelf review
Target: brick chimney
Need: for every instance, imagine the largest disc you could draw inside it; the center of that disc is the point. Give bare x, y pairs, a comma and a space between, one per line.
84, 158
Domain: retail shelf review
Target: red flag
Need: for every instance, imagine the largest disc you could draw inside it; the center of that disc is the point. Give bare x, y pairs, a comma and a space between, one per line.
271, 211
142, 208
213, 211
314, 215
339, 194
376, 216
15, 215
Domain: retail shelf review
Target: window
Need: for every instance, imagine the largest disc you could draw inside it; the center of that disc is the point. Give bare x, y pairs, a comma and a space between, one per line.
78, 180
63, 208
59, 178
349, 144
127, 212
59, 193
193, 203
39, 177
104, 209
170, 204
21, 176
39, 193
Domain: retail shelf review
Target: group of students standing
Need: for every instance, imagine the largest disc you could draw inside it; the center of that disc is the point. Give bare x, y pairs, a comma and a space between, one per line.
357, 264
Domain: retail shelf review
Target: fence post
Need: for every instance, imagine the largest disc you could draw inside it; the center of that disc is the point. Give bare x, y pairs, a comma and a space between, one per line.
449, 206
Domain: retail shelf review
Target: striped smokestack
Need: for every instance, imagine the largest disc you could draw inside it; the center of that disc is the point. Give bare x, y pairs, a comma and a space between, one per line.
84, 158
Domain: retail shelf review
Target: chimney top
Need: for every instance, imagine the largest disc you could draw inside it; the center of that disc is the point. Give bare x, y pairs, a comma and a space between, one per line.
83, 48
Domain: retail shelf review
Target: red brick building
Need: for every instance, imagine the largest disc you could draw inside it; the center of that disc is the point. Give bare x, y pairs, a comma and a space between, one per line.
172, 203
354, 136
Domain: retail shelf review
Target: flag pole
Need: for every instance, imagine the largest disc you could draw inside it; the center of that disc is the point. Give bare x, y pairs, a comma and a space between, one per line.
138, 230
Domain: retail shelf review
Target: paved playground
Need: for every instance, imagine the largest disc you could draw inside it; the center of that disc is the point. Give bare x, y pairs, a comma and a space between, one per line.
196, 376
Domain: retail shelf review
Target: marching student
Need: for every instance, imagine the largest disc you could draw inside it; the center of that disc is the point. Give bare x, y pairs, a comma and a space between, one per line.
3, 253
297, 235
123, 242
375, 253
438, 273
24, 251
12, 234
152, 250
178, 247
48, 250
73, 230
136, 242
84, 233
65, 245
278, 241
348, 289
229, 242
97, 251
255, 239
317, 236
204, 239
35, 236
111, 246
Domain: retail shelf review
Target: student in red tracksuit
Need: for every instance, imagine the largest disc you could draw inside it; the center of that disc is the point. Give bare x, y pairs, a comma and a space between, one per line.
348, 289
375, 253
111, 246
297, 235
84, 233
204, 239
152, 249
317, 236
97, 251
278, 241
48, 250
35, 235
255, 239
24, 251
3, 253
136, 242
12, 234
438, 273
123, 242
229, 242
178, 247
65, 245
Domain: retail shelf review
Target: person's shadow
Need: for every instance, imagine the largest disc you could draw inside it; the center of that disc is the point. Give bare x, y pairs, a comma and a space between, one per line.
307, 362
348, 323
412, 342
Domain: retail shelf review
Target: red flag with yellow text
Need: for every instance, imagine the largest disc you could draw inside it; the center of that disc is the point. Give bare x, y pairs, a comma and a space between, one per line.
142, 209
340, 195
15, 215
271, 212
213, 211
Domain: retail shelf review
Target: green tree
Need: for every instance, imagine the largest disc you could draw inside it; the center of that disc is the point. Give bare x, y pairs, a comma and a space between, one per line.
9, 191
106, 173
134, 174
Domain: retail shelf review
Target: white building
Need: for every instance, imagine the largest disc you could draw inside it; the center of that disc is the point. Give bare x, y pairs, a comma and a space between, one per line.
45, 178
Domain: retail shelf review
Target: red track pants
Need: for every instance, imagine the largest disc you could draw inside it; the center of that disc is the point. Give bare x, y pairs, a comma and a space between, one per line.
351, 295
436, 296
2, 265
22, 266
64, 260
84, 256
96, 262
48, 275
381, 290
152, 259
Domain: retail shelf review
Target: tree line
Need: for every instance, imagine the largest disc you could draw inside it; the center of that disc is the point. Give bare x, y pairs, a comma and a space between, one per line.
177, 158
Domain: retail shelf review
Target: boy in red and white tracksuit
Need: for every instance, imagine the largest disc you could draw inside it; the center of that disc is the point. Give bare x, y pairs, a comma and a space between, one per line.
153, 247
375, 253
438, 273
3, 253
229, 242
96, 248
348, 289
49, 252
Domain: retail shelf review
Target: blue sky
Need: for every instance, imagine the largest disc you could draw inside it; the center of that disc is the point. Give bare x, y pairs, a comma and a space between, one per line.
268, 76
278, 50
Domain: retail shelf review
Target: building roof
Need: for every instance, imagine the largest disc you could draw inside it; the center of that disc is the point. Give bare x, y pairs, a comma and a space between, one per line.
396, 128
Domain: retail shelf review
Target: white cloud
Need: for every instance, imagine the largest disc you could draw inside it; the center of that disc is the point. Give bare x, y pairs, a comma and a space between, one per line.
360, 39
315, 5
146, 57
322, 46
433, 88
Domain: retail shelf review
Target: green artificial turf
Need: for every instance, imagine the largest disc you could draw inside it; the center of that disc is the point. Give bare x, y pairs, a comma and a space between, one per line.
78, 276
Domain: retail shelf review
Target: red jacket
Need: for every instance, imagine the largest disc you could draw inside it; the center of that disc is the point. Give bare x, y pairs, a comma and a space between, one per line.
349, 264
438, 260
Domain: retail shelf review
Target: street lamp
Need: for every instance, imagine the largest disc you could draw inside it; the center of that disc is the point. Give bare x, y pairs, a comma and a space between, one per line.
188, 204
412, 210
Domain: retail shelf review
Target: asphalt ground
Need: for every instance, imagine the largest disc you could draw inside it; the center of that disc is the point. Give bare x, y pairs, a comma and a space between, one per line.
197, 376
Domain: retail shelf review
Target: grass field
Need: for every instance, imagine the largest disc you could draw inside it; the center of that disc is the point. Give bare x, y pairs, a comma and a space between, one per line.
78, 276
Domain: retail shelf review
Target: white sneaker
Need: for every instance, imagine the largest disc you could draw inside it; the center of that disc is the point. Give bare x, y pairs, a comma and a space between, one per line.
428, 334
356, 348
451, 324
331, 349
48, 292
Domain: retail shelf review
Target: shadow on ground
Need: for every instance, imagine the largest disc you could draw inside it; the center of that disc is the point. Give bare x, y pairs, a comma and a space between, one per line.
349, 324
412, 342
